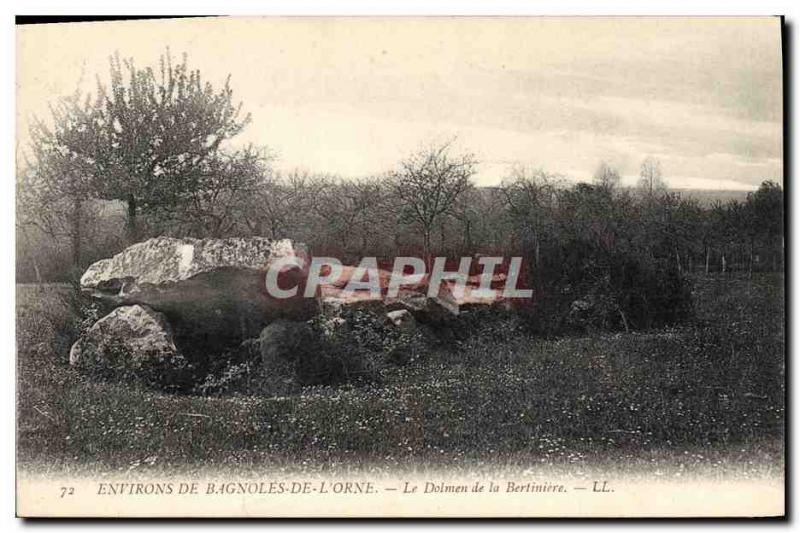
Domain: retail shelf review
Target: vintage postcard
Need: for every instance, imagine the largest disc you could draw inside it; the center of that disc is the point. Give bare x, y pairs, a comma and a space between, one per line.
400, 267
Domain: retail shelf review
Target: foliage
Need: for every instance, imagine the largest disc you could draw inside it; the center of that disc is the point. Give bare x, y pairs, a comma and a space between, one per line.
368, 333
159, 130
352, 348
113, 362
151, 139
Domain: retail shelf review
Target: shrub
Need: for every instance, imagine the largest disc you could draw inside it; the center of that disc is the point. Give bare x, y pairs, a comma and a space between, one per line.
369, 333
590, 289
239, 371
334, 355
322, 351
114, 362
60, 315
232, 378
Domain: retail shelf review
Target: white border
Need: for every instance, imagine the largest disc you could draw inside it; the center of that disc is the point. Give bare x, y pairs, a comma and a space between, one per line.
318, 7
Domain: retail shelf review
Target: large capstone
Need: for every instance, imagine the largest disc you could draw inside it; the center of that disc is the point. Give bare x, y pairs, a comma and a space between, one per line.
134, 332
209, 289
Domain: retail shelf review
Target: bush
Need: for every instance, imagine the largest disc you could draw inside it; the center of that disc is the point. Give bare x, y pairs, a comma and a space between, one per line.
323, 351
369, 334
232, 378
239, 371
585, 288
338, 353
61, 314
114, 362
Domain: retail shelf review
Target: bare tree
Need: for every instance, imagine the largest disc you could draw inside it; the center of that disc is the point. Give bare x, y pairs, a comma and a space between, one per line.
530, 197
222, 201
354, 212
286, 201
55, 183
651, 182
428, 185
606, 176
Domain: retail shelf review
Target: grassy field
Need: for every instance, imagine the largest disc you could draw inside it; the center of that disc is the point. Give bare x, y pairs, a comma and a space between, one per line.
709, 394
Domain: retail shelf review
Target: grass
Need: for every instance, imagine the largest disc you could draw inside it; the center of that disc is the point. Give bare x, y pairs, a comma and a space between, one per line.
704, 395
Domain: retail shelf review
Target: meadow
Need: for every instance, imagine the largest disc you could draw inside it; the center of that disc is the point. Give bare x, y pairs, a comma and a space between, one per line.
708, 394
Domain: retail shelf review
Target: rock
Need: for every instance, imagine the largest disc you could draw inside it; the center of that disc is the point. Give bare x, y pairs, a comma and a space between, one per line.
284, 340
143, 332
408, 308
471, 297
333, 299
430, 310
401, 319
331, 327
348, 272
208, 288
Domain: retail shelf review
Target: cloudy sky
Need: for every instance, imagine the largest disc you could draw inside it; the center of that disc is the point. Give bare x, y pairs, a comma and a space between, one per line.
353, 96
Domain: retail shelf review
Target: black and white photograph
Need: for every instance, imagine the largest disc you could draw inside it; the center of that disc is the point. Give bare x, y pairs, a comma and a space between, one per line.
418, 266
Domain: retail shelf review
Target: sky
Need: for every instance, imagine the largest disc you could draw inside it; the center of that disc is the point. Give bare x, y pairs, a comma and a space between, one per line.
353, 96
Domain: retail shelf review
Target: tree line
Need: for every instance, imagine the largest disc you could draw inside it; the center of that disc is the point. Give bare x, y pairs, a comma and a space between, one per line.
149, 153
